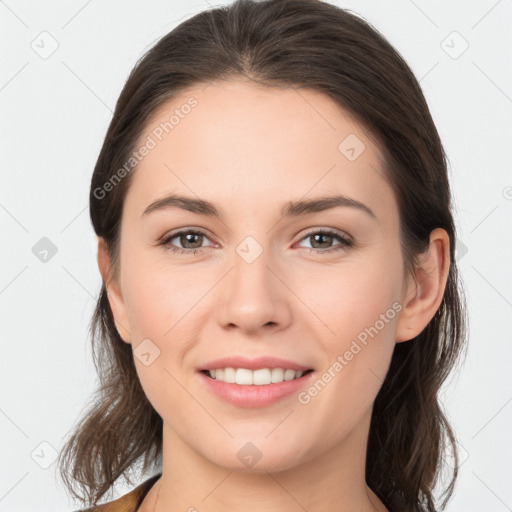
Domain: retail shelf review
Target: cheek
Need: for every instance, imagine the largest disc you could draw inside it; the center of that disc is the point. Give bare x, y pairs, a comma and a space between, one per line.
158, 296
352, 299
361, 313
358, 308
163, 305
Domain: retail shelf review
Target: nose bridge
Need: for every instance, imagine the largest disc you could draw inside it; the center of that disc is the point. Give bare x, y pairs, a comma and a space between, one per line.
252, 296
251, 276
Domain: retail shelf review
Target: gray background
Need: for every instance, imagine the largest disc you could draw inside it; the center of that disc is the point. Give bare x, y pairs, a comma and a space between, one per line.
55, 109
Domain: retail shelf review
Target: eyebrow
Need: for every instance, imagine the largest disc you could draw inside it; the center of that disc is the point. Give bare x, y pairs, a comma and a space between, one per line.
290, 209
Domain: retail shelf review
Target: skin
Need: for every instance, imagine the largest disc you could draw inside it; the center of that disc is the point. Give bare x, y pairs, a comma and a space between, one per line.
249, 150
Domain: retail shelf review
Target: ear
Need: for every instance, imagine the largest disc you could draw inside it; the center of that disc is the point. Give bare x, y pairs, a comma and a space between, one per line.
424, 294
115, 296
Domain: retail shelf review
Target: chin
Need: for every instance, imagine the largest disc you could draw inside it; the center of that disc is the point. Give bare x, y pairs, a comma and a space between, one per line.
255, 457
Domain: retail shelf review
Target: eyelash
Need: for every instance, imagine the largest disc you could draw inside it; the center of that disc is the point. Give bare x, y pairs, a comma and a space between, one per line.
345, 243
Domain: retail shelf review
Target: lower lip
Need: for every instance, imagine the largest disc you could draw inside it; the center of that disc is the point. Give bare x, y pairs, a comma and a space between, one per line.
252, 396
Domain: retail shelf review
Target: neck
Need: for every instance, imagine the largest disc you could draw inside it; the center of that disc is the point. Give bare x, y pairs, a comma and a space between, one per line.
331, 481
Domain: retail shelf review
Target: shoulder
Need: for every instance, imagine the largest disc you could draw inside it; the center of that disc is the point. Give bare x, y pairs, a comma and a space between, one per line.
127, 503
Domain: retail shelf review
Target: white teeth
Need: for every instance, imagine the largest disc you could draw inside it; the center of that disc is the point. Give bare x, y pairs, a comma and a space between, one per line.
259, 377
277, 375
243, 376
229, 375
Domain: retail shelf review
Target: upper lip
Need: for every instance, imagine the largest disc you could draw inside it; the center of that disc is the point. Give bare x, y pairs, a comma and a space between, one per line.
254, 364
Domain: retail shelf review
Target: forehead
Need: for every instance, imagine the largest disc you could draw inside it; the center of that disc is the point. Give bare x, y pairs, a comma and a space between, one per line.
244, 145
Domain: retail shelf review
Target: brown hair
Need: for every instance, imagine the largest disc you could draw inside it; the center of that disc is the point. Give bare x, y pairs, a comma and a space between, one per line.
290, 43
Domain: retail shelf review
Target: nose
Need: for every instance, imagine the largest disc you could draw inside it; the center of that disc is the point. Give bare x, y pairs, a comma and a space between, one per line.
254, 297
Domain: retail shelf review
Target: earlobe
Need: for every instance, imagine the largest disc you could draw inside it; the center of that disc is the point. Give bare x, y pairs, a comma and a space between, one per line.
425, 293
115, 297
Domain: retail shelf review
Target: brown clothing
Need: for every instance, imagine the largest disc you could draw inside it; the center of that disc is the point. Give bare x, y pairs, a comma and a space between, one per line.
130, 502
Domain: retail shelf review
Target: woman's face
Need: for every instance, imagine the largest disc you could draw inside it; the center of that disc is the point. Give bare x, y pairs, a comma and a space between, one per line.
263, 278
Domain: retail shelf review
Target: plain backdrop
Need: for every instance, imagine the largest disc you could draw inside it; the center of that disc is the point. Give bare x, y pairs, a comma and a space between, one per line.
63, 66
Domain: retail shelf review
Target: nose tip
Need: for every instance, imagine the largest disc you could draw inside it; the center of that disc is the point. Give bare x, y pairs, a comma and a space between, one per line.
252, 299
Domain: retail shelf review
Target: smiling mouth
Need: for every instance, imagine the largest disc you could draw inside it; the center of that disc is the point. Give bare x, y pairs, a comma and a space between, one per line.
261, 377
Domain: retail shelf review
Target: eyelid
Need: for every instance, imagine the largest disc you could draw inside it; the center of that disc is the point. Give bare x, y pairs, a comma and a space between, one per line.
178, 231
304, 234
334, 231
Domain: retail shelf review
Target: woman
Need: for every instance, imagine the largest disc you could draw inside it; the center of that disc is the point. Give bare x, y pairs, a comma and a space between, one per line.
280, 301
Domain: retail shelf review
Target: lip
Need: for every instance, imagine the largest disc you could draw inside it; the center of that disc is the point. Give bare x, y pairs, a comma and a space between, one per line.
253, 396
254, 364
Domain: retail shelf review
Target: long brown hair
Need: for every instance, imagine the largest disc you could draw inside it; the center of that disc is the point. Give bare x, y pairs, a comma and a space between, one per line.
286, 43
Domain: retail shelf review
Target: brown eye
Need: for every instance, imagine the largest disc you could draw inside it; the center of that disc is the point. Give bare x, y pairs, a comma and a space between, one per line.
322, 241
191, 241
191, 238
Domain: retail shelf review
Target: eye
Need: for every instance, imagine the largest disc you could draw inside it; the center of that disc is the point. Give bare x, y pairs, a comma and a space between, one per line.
193, 237
324, 237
